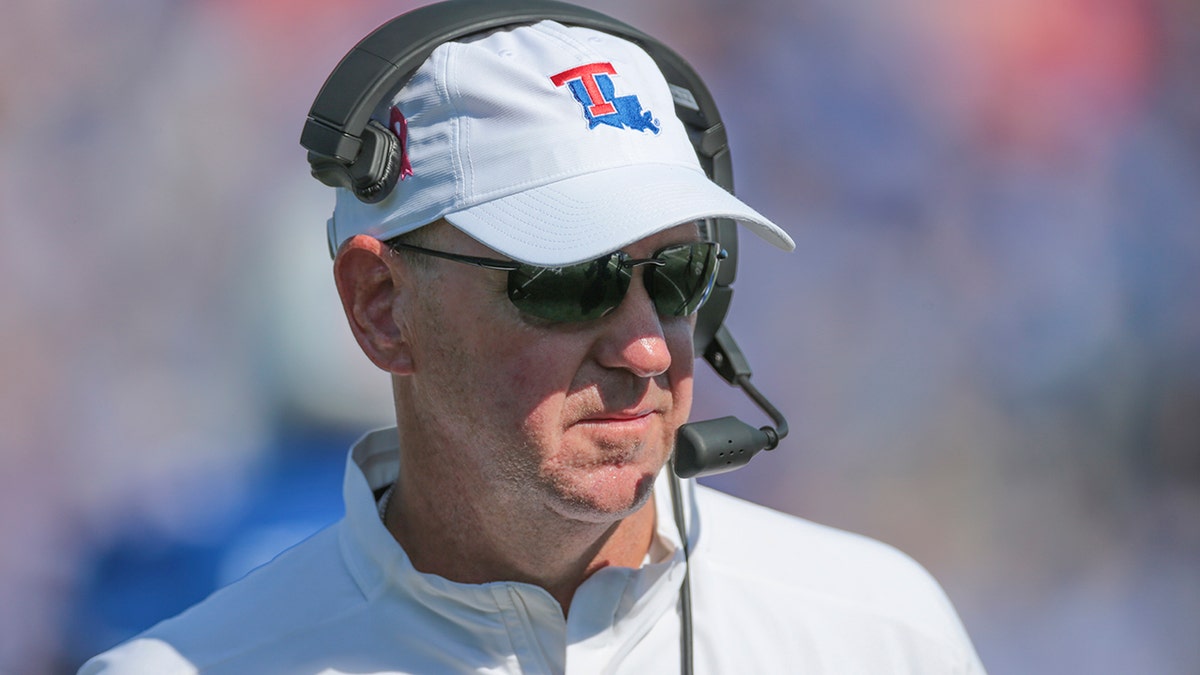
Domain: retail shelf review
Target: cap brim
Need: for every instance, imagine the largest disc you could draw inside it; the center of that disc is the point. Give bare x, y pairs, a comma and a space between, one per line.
586, 216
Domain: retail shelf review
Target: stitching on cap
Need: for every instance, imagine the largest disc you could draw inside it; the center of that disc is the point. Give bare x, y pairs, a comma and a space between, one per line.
455, 131
581, 50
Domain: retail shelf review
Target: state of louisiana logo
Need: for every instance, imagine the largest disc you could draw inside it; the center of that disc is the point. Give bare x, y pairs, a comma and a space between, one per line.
592, 87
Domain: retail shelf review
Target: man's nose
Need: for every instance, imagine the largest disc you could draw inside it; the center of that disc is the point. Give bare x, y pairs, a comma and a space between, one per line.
633, 337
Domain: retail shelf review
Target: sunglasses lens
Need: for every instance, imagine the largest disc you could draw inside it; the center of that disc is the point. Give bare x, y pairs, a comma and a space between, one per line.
681, 284
573, 293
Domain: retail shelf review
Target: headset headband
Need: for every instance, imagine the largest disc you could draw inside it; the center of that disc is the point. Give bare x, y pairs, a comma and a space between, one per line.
345, 149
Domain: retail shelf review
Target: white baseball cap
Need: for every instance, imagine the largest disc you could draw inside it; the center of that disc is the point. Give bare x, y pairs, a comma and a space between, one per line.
550, 144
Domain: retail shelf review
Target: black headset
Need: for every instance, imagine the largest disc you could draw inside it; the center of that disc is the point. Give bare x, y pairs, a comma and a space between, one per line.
347, 148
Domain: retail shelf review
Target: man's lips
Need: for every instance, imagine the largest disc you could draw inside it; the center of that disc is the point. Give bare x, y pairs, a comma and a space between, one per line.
617, 417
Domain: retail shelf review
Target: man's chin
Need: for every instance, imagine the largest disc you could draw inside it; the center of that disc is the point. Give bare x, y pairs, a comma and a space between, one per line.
614, 494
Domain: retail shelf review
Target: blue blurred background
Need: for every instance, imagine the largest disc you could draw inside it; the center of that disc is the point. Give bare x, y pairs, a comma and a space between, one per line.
988, 341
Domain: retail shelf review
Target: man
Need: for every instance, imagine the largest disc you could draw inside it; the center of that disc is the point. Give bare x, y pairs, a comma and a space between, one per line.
531, 286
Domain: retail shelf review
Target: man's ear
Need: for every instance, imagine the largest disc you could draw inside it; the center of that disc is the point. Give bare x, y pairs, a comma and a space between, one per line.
368, 284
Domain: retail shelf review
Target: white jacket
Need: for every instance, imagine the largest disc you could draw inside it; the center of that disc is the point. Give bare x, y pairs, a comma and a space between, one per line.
771, 594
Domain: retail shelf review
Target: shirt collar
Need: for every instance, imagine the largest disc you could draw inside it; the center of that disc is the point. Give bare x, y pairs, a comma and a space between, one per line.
377, 561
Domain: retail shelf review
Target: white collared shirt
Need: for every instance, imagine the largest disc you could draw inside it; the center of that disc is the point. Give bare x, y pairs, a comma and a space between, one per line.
771, 593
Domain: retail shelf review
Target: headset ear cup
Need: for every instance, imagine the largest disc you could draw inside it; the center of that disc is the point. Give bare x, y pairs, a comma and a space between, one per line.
377, 167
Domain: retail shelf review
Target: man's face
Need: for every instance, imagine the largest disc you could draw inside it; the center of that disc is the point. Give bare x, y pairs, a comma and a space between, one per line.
578, 416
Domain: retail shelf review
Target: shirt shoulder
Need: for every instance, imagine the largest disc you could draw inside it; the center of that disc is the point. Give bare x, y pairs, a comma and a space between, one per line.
824, 591
748, 539
281, 601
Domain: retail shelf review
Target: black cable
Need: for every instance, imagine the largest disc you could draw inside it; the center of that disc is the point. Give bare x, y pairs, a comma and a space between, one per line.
685, 589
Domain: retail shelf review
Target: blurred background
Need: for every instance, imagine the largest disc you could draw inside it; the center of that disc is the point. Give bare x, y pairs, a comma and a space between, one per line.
987, 342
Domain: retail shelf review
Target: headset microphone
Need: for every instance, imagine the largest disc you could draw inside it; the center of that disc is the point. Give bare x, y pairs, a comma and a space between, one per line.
716, 446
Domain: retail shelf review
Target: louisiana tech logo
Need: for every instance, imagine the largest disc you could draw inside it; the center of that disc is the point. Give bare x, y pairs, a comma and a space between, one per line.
593, 89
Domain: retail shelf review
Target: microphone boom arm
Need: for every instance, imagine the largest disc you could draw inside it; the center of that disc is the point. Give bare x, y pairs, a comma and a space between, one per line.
716, 446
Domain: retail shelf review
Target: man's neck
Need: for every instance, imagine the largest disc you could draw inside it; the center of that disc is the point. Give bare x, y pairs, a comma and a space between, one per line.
466, 542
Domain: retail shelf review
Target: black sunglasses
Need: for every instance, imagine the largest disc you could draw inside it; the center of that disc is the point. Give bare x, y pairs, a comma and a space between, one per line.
678, 279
